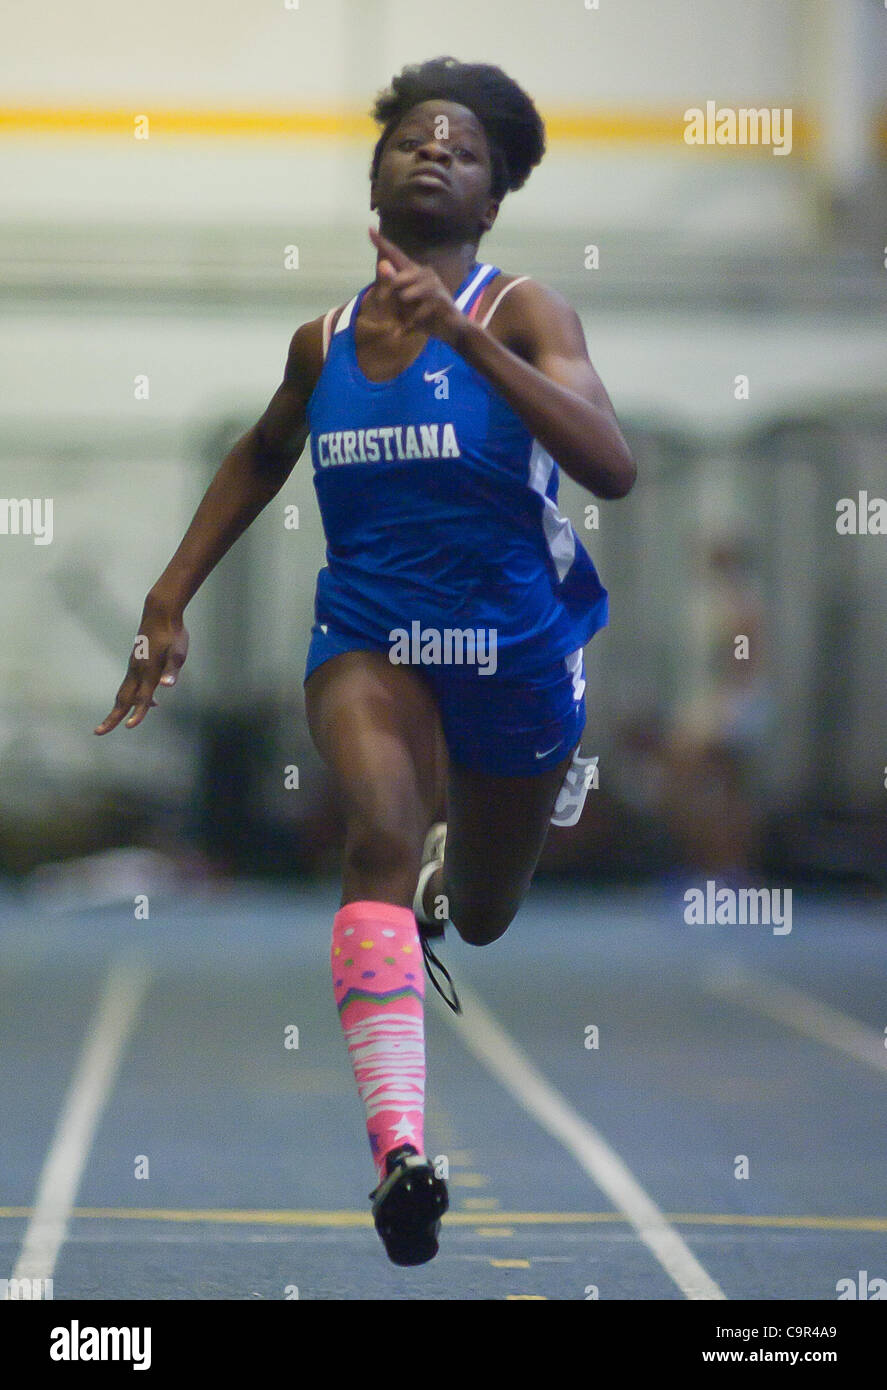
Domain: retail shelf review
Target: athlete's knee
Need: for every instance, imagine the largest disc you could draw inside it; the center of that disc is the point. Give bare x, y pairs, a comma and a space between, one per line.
481, 923
481, 932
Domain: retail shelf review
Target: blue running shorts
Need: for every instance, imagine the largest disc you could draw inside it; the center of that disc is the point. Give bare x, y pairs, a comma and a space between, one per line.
506, 727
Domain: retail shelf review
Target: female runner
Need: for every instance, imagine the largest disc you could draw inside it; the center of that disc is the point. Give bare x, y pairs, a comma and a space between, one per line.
444, 681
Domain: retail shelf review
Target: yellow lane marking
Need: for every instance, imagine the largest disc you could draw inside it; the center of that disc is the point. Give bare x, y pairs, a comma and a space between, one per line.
813, 1223
524, 1297
468, 1180
565, 124
480, 1203
496, 1231
486, 1219
510, 1264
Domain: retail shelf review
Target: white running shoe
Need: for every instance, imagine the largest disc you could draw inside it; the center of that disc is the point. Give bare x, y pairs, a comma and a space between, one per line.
433, 927
571, 797
432, 858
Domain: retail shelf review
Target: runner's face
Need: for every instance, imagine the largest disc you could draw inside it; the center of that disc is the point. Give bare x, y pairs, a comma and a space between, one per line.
436, 164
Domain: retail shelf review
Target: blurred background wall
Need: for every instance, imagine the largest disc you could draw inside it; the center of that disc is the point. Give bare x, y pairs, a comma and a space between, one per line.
171, 257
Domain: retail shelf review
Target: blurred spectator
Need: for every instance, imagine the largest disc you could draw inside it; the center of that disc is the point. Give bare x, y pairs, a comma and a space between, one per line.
717, 732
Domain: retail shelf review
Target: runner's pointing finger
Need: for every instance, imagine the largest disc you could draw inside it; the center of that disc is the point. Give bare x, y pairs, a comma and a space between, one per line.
399, 259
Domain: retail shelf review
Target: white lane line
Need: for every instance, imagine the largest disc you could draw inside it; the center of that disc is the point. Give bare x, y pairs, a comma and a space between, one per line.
90, 1087
765, 995
492, 1046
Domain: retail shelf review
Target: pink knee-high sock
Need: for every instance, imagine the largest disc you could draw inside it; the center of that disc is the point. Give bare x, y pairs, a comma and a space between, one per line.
379, 985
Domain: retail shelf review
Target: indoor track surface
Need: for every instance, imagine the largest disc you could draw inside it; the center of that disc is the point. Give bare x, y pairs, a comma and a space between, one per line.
615, 1073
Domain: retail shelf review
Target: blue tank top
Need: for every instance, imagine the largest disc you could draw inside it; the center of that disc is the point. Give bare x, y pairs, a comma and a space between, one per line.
438, 505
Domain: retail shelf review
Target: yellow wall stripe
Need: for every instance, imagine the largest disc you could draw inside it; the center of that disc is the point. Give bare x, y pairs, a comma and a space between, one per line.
564, 126
118, 121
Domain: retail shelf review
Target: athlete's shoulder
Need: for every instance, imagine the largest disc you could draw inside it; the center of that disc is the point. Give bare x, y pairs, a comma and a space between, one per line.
528, 314
524, 293
308, 349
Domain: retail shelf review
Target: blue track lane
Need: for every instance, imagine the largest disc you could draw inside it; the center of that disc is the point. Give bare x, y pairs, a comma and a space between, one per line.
684, 1080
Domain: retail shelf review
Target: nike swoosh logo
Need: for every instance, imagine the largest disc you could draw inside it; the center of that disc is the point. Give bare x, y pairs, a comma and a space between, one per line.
547, 751
436, 376
323, 627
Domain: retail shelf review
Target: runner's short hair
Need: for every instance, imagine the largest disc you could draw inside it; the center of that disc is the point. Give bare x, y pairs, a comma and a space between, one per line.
514, 129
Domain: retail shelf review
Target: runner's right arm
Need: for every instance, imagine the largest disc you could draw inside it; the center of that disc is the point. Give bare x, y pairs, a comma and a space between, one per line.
250, 475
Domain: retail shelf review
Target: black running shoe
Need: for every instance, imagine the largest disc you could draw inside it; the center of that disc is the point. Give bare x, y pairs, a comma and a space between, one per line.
407, 1207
